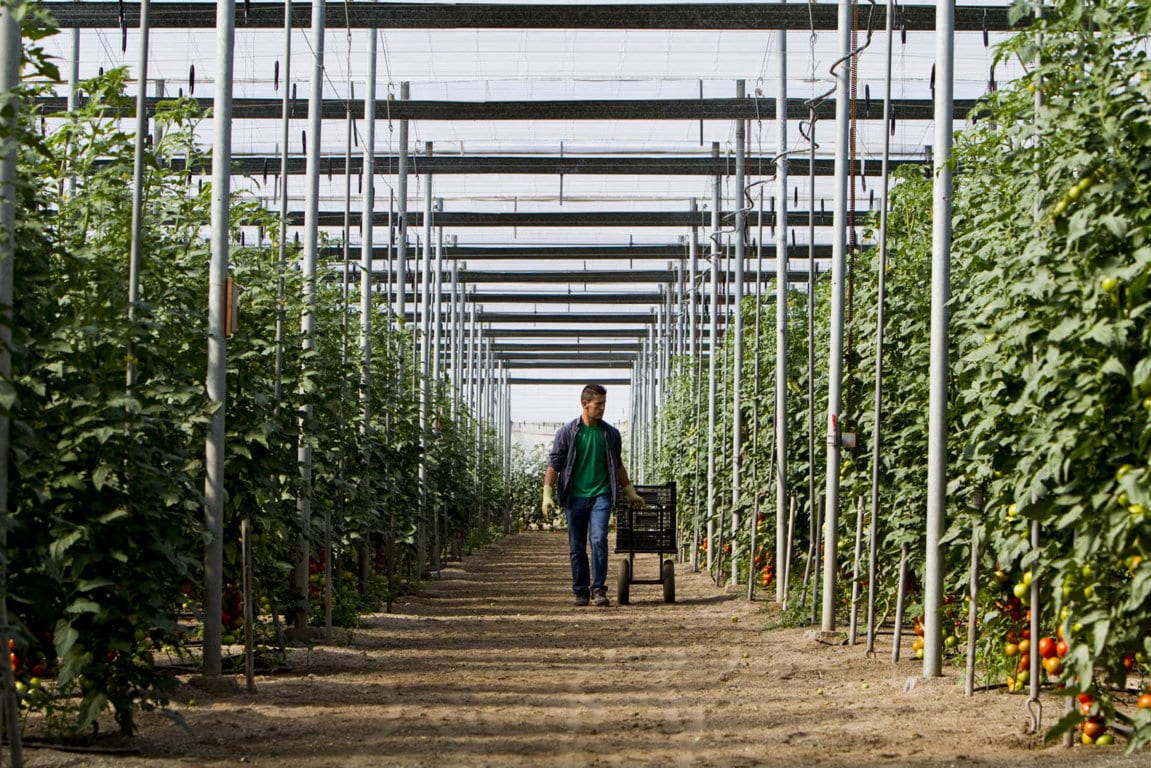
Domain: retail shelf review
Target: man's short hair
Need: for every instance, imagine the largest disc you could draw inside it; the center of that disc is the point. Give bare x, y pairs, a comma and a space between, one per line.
591, 391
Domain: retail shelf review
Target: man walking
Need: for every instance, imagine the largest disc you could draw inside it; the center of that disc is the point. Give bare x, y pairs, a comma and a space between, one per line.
586, 461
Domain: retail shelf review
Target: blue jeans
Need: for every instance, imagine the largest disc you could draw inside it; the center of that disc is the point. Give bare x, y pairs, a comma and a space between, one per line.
581, 514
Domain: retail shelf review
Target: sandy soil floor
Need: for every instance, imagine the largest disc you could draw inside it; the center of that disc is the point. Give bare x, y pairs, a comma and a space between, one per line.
491, 665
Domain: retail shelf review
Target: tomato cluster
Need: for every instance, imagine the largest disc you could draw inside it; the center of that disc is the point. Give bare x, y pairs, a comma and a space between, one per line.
1094, 730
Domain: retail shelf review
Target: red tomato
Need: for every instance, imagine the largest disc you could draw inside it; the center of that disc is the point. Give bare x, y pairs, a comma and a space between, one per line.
1094, 728
1145, 700
1061, 648
1047, 647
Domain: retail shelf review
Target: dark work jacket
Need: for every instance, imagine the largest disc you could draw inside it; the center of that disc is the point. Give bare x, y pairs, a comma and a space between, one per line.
563, 456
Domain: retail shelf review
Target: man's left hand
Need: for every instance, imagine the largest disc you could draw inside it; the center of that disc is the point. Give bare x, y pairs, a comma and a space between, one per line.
634, 499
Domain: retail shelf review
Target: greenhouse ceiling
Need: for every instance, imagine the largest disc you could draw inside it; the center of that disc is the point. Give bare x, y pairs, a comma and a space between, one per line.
566, 144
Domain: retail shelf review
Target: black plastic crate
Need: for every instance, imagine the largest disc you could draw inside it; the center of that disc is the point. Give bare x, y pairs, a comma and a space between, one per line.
651, 529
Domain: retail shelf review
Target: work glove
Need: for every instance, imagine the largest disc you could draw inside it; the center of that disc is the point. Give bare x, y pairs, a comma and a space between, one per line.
550, 507
633, 499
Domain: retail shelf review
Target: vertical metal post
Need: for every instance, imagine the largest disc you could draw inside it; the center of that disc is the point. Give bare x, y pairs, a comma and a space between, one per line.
135, 256
308, 315
737, 336
437, 300
713, 338
940, 296
692, 285
781, 286
367, 247
73, 101
838, 278
506, 396
217, 343
402, 216
425, 328
454, 339
286, 121
813, 528
10, 52
880, 329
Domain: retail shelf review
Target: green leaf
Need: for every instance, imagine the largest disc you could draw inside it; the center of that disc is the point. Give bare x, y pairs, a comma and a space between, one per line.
83, 605
64, 637
115, 514
62, 544
1140, 590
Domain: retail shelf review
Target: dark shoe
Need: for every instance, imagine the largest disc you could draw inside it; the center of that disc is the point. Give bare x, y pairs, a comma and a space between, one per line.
601, 598
581, 600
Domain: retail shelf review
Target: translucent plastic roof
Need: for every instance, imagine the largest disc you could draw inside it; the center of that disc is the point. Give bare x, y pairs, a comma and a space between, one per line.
493, 65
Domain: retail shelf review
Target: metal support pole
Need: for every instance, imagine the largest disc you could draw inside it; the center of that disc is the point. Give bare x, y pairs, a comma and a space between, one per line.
781, 543
214, 492
737, 336
286, 121
135, 256
880, 330
692, 286
713, 336
10, 52
402, 215
437, 301
367, 240
940, 296
838, 279
308, 316
73, 101
506, 396
455, 339
425, 329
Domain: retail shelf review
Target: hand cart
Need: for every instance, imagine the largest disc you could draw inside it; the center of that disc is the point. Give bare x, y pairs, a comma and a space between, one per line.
647, 530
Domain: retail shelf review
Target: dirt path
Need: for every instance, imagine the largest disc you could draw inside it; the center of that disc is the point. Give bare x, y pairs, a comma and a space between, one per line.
492, 666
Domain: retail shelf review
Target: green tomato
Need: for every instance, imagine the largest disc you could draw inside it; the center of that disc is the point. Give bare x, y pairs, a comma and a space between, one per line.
1109, 284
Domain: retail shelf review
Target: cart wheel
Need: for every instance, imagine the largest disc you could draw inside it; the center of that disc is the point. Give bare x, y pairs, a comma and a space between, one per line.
623, 582
667, 578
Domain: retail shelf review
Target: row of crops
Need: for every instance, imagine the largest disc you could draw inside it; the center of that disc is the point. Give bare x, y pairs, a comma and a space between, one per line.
105, 543
1049, 387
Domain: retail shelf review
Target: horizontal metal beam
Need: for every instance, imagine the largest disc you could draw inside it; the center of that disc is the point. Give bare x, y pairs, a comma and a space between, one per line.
625, 276
614, 318
560, 354
607, 382
674, 219
800, 16
588, 253
536, 347
559, 365
266, 166
591, 109
589, 297
564, 333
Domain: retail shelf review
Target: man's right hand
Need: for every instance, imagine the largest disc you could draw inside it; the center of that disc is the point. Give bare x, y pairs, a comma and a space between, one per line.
550, 507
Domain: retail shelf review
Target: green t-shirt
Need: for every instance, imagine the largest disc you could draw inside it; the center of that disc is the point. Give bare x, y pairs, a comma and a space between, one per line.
590, 475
